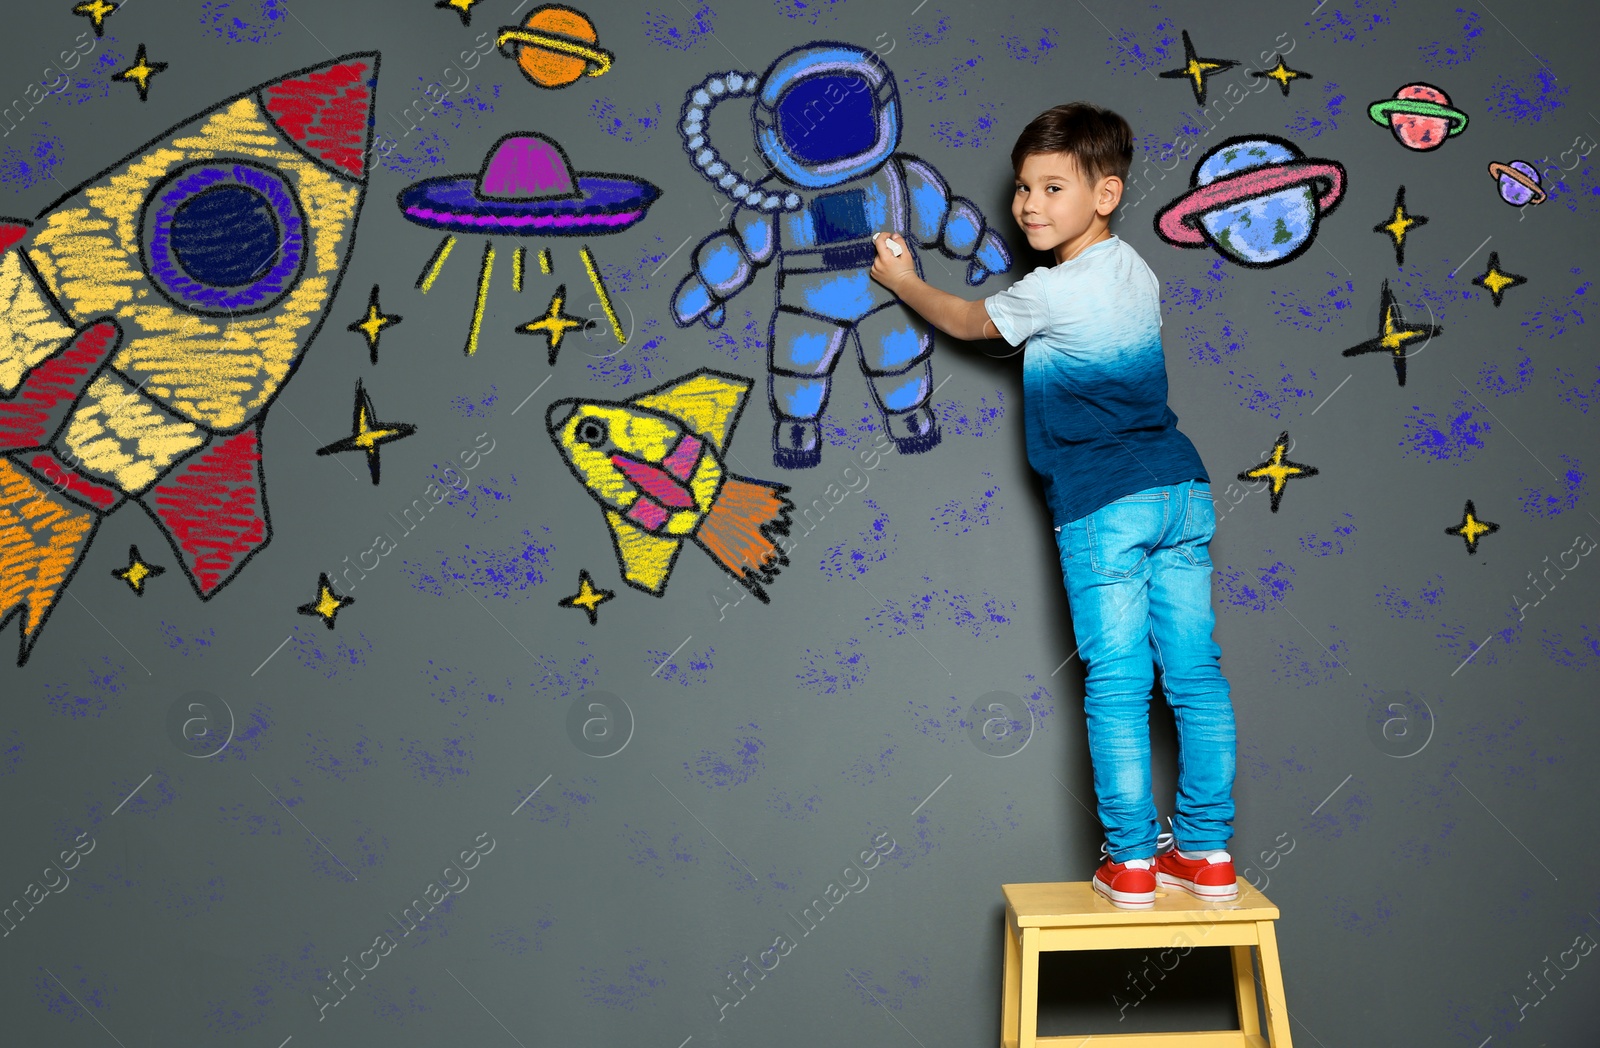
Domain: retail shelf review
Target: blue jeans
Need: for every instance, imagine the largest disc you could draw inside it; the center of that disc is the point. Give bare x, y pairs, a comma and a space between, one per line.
1138, 577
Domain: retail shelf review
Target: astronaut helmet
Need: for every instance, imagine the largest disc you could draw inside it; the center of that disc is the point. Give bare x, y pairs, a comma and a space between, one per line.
827, 113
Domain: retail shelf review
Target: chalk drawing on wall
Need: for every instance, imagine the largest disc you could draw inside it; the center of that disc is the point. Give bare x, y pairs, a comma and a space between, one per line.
554, 46
138, 572
1395, 336
1198, 70
526, 188
1519, 184
1497, 281
460, 7
1471, 529
367, 434
96, 11
1278, 470
589, 265
140, 73
373, 323
588, 598
328, 604
554, 324
654, 462
1420, 115
1281, 73
814, 213
1399, 224
151, 316
1256, 199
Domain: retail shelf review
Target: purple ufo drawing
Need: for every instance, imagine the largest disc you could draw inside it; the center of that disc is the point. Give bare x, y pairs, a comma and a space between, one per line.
527, 188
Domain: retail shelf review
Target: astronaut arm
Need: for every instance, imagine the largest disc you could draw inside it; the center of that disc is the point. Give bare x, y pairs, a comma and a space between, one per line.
937, 218
955, 316
722, 265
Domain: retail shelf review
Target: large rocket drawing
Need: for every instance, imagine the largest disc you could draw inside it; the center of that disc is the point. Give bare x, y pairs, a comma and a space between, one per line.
149, 317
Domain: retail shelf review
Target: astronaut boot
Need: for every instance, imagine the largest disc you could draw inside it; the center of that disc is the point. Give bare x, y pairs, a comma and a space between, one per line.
913, 431
796, 443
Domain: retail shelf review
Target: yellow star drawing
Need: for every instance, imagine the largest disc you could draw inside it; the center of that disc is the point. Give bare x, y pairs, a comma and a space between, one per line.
1397, 227
96, 12
328, 603
460, 7
1281, 73
374, 322
1471, 528
588, 598
1497, 282
1278, 469
140, 73
554, 324
1197, 70
1394, 334
368, 435
137, 572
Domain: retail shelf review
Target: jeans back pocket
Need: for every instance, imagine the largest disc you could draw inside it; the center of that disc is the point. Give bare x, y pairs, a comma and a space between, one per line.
1122, 533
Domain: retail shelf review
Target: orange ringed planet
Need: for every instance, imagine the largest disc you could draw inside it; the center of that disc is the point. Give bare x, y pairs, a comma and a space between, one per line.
555, 46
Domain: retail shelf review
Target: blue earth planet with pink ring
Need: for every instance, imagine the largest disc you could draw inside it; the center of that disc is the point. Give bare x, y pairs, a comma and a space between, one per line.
1255, 199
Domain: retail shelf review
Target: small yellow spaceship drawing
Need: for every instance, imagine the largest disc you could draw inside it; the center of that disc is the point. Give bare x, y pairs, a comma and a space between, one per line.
654, 463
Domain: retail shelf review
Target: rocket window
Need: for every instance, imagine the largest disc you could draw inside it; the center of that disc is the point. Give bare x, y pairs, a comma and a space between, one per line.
223, 239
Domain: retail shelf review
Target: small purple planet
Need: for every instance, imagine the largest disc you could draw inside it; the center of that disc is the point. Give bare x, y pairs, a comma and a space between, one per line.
1519, 183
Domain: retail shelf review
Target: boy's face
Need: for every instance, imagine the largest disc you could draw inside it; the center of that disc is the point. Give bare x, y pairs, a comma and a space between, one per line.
1056, 204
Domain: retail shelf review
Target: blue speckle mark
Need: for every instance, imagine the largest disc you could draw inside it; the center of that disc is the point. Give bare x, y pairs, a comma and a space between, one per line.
827, 673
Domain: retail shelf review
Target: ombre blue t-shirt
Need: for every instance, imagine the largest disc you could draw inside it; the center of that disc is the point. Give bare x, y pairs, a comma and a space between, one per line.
1094, 381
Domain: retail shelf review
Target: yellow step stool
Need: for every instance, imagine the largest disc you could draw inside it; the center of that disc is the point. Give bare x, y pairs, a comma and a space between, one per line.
1070, 915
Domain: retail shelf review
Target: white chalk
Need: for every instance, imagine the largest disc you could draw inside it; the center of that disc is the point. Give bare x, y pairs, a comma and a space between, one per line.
894, 246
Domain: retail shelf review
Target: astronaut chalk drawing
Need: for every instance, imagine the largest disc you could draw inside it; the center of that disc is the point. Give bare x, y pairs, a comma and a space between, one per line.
827, 122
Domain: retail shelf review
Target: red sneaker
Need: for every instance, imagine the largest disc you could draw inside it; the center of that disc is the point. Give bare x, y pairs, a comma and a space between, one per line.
1210, 879
1128, 885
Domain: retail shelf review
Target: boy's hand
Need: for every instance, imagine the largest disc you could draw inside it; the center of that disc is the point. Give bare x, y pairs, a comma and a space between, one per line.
890, 268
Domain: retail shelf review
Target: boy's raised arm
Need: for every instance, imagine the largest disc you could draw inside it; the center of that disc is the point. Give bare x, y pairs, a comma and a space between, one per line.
955, 316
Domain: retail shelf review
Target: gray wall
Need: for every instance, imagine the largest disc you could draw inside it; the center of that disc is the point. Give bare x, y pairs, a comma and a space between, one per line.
1421, 875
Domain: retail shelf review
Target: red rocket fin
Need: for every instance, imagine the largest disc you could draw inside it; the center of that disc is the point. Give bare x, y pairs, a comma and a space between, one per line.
12, 230
327, 110
31, 416
214, 509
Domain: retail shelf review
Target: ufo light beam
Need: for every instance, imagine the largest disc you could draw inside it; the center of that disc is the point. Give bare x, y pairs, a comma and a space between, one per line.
482, 301
430, 272
605, 299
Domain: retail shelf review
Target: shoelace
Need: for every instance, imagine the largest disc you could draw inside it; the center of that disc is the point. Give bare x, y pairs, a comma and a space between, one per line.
1135, 864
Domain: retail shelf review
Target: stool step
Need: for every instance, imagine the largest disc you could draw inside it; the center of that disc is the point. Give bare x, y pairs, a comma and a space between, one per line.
1075, 904
1203, 1039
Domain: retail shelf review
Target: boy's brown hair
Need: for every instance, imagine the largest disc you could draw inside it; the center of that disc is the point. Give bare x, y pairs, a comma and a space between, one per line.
1099, 140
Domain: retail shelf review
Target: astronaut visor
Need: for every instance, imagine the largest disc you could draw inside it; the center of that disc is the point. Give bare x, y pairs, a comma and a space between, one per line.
827, 118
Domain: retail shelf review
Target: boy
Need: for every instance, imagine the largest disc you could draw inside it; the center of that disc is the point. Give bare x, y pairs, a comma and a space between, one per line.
1130, 497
